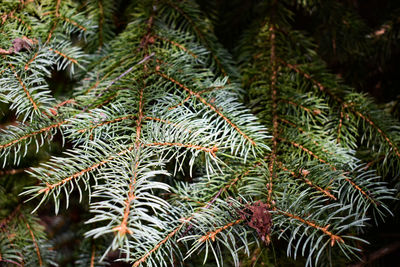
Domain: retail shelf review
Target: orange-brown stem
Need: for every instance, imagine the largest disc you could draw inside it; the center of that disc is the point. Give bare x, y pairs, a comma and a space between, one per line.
307, 133
58, 8
36, 244
123, 227
93, 255
30, 61
13, 171
50, 34
274, 94
340, 125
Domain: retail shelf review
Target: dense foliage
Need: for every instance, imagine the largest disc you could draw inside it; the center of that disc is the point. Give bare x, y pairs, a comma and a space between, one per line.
170, 151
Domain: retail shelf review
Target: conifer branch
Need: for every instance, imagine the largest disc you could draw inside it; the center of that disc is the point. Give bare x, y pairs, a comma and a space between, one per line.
30, 61
12, 172
211, 235
307, 181
334, 238
197, 95
29, 135
129, 117
212, 150
36, 245
274, 94
122, 228
168, 159
201, 36
76, 24
93, 256
156, 247
63, 55
345, 105
70, 178
50, 33
180, 46
24, 87
101, 22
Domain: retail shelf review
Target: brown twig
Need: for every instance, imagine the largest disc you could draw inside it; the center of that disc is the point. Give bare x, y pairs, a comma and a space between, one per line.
388, 249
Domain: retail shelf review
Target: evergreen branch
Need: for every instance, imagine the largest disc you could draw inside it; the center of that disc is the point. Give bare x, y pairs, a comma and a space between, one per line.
190, 218
107, 122
333, 168
11, 15
36, 244
50, 33
22, 138
12, 172
24, 87
63, 55
30, 61
334, 238
54, 109
122, 228
166, 122
197, 95
360, 190
212, 150
70, 178
76, 24
58, 3
308, 76
340, 125
301, 130
10, 217
307, 181
340, 101
156, 247
211, 235
175, 44
148, 117
211, 89
201, 36
181, 103
308, 152
292, 102
274, 114
368, 120
146, 58
101, 22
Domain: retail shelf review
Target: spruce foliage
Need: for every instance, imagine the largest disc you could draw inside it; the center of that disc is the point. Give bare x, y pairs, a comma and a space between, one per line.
169, 165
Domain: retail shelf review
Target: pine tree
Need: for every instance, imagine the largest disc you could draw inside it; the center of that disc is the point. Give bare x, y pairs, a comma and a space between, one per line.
169, 165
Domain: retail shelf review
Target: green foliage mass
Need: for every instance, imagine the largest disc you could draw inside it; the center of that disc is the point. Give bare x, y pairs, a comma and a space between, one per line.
170, 167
